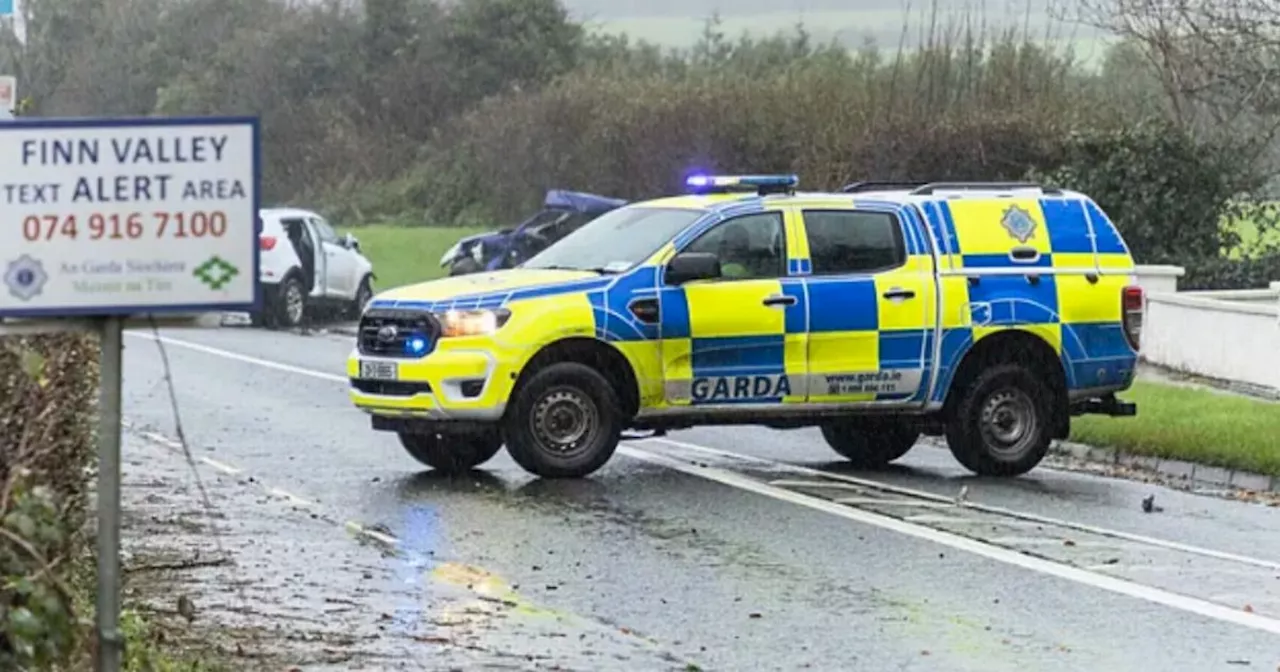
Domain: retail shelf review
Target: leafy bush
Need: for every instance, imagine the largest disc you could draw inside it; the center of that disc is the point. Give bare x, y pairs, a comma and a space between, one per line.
1167, 192
48, 385
963, 110
1226, 273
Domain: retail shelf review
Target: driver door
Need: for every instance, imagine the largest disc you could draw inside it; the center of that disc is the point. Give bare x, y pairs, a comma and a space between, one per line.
739, 338
340, 264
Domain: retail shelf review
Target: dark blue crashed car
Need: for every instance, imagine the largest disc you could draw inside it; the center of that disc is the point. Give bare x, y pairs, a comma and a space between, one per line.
563, 212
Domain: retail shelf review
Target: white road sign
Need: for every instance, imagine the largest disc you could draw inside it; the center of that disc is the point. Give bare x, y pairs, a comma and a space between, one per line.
121, 217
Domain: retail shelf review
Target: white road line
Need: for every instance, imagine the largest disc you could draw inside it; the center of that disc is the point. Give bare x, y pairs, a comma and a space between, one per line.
361, 530
1049, 541
999, 554
970, 504
220, 466
1118, 568
933, 519
227, 354
162, 440
817, 485
877, 501
291, 497
1006, 556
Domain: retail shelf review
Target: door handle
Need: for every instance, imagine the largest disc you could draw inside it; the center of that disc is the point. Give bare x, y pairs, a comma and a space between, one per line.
779, 300
897, 293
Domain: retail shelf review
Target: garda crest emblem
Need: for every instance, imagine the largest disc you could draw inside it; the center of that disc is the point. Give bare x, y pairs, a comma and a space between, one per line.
25, 278
1018, 223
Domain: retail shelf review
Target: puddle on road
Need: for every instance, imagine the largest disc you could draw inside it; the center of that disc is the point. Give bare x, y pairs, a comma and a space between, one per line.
286, 587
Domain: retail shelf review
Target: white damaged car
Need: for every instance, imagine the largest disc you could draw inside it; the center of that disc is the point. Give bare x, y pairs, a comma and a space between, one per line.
307, 268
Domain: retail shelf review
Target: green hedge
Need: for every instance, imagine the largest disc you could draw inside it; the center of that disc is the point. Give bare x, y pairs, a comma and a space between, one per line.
1225, 273
986, 111
48, 387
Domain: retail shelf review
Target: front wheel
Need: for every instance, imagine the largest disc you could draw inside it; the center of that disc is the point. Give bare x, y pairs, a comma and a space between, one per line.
869, 444
564, 423
363, 295
1002, 423
451, 454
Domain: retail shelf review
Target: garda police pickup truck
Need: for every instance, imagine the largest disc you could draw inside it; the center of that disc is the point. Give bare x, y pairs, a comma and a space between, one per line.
987, 313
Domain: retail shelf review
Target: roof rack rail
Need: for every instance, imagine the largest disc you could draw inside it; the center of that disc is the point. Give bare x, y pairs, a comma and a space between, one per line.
928, 189
872, 185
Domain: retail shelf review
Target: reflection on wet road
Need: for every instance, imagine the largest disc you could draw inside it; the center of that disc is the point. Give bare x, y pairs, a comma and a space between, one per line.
729, 548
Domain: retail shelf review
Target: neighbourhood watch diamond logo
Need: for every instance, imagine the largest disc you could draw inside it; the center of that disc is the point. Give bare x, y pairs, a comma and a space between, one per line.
25, 278
216, 272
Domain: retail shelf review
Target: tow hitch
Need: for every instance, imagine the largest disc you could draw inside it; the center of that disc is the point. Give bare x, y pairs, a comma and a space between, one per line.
1108, 405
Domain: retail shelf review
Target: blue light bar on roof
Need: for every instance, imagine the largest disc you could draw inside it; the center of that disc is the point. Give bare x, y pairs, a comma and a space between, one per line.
762, 184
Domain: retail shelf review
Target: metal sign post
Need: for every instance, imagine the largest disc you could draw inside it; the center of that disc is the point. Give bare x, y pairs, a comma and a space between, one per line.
118, 218
110, 417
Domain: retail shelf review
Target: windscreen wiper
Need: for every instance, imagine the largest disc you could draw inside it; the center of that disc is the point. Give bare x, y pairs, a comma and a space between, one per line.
599, 270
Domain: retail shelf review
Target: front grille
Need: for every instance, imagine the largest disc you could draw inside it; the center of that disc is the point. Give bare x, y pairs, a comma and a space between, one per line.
390, 388
408, 324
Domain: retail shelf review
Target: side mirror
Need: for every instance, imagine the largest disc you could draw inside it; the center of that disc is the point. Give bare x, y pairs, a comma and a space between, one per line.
690, 266
350, 242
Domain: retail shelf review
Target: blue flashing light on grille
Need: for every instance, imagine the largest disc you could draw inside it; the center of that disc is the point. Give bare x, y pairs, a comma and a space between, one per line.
415, 345
761, 184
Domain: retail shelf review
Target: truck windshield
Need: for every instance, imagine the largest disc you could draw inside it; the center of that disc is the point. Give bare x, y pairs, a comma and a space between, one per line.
616, 240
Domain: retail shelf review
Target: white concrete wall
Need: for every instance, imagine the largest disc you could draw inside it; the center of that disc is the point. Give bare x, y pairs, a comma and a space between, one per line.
1227, 335
1160, 279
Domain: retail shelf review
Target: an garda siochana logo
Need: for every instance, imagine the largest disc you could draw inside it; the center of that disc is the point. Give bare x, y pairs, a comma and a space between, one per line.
1019, 223
736, 388
388, 334
25, 277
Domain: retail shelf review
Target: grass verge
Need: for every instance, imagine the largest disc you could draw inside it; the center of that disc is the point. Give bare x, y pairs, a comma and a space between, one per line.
149, 644
403, 255
1182, 422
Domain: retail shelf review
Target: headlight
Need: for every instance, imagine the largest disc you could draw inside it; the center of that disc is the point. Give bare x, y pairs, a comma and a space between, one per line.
456, 323
451, 253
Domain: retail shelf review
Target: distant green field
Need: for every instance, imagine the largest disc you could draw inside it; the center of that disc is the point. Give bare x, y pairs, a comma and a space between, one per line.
1248, 228
405, 255
854, 28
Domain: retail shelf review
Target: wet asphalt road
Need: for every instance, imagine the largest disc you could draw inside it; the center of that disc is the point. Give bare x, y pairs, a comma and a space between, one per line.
677, 554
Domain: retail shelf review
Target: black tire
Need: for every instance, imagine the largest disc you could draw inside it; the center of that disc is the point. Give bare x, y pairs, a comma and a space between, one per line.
363, 295
290, 304
870, 444
978, 427
449, 453
465, 266
563, 394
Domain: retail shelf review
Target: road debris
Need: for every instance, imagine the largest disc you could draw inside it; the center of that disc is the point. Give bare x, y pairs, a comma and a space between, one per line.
1149, 505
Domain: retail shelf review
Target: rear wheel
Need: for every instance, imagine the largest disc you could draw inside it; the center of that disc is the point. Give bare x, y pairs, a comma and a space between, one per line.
564, 422
870, 444
1002, 423
290, 304
452, 453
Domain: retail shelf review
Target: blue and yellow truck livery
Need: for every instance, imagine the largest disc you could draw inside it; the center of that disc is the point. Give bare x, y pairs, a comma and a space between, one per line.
986, 313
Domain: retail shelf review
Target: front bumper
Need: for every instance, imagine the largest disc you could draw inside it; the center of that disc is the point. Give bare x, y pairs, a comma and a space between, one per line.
446, 385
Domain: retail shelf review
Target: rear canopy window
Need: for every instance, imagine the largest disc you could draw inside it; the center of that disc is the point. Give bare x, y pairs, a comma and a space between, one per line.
846, 242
